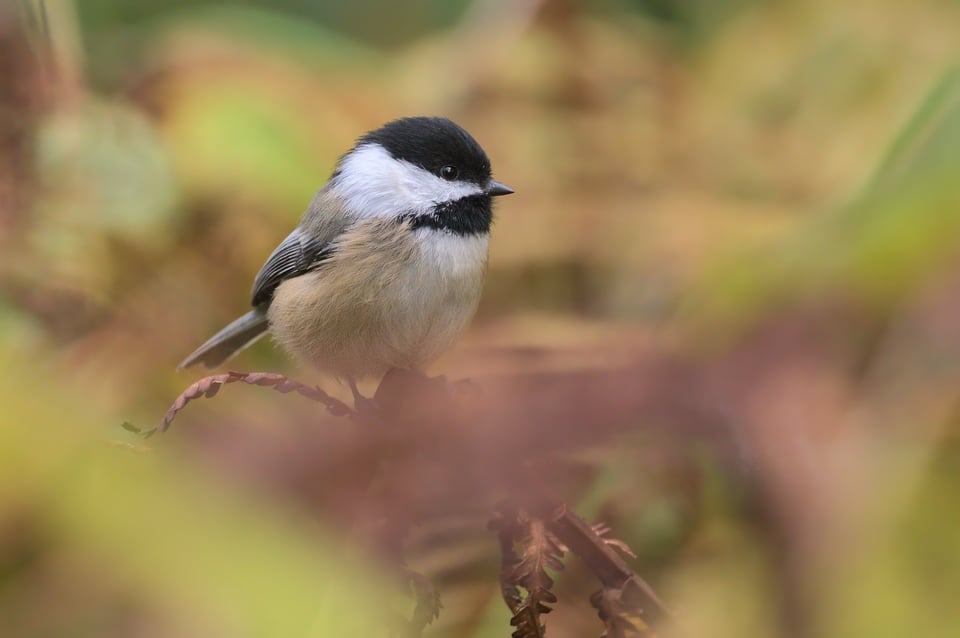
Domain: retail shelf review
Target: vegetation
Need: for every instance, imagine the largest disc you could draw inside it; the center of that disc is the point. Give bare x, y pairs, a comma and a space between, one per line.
720, 319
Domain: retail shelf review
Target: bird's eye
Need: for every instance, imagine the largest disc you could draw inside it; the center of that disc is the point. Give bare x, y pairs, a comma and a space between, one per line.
449, 173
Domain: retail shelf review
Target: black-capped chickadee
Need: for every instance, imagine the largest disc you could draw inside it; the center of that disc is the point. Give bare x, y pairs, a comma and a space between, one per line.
386, 266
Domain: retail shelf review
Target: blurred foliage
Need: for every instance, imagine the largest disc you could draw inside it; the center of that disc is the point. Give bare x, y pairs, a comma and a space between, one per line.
903, 228
101, 537
766, 189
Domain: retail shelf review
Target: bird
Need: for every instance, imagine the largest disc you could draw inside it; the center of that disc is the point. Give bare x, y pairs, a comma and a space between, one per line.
386, 266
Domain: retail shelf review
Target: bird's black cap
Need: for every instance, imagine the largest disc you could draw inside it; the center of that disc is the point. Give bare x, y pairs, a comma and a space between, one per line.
433, 143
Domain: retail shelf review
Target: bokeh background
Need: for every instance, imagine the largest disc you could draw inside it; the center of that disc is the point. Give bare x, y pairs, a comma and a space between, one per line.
765, 195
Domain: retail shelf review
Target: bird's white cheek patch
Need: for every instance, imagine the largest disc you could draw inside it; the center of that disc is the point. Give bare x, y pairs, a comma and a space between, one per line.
374, 184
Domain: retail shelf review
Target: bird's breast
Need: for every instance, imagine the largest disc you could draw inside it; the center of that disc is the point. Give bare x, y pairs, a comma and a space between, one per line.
440, 284
444, 258
384, 299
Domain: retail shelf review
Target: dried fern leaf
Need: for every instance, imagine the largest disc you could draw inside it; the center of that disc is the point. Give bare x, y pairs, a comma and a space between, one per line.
428, 603
509, 533
539, 550
602, 529
209, 387
620, 620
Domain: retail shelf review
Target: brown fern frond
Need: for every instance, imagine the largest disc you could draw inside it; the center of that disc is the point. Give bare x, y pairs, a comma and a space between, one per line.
620, 620
428, 603
605, 563
209, 386
539, 550
509, 534
602, 529
527, 622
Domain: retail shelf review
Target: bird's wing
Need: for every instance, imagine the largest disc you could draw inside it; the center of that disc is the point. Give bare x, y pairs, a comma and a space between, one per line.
309, 245
296, 255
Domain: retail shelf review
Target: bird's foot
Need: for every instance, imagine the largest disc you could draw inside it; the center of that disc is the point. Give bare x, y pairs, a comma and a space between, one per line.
401, 389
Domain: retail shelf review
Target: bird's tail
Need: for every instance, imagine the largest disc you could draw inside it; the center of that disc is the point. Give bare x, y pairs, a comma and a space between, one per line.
230, 340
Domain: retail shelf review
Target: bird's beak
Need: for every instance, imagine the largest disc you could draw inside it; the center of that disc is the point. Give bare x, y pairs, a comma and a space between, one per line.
495, 189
